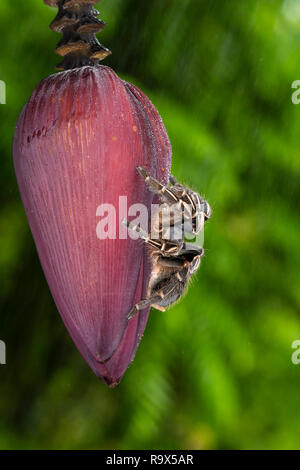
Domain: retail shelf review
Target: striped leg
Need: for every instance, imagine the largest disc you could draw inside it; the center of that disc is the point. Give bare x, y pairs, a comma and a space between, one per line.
176, 196
142, 304
164, 192
171, 218
165, 247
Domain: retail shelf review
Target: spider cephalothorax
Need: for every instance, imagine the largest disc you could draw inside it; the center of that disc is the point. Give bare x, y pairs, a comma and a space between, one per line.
181, 212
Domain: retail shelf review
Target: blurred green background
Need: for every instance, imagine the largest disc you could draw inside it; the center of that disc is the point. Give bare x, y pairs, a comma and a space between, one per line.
215, 371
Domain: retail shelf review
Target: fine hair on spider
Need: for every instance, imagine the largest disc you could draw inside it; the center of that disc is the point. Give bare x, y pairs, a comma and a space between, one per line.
181, 213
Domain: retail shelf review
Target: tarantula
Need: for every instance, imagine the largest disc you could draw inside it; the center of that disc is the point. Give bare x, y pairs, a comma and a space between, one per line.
174, 260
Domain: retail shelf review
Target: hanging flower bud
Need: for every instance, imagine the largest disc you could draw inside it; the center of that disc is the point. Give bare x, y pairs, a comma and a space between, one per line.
77, 144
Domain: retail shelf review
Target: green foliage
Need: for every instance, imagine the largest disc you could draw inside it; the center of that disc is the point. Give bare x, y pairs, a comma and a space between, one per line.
214, 371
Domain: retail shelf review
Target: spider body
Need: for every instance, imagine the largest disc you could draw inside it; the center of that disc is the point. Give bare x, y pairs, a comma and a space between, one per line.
181, 211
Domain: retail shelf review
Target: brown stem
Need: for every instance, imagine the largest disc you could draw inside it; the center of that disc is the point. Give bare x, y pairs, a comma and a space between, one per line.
77, 21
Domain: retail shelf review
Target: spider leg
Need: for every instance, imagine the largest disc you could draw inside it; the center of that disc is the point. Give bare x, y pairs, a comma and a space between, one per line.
175, 263
201, 205
170, 221
164, 192
173, 180
192, 200
155, 300
195, 207
181, 199
135, 228
192, 249
166, 219
162, 246
188, 208
142, 304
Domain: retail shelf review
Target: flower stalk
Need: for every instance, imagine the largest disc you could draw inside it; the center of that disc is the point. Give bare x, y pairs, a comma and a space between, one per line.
78, 22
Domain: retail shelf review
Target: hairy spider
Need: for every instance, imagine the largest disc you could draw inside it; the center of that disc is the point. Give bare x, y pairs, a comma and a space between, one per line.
181, 211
